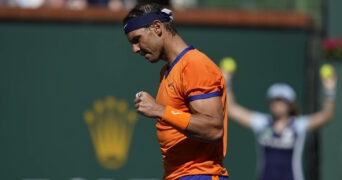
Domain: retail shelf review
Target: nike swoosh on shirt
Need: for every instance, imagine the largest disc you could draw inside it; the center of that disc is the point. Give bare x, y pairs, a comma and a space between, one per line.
175, 112
170, 84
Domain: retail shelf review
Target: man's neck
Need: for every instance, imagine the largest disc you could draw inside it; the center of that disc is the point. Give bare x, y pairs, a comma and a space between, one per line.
174, 45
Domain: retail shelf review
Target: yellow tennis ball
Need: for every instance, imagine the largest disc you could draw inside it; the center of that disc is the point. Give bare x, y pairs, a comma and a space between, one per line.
326, 71
228, 64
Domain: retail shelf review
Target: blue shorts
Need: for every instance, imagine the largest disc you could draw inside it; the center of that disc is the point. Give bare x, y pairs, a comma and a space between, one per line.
203, 177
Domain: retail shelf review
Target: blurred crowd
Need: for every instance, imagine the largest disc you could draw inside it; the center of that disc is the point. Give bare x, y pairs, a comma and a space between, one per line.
82, 4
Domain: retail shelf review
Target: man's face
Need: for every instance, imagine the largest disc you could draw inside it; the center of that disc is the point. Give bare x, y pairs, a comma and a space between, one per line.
147, 43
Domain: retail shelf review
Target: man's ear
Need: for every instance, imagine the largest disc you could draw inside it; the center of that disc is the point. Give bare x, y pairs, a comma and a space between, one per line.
157, 27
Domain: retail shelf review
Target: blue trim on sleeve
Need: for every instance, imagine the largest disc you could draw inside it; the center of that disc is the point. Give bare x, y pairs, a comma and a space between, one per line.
205, 96
202, 177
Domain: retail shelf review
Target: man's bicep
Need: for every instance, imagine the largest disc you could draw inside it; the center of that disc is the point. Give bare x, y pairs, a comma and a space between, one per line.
209, 106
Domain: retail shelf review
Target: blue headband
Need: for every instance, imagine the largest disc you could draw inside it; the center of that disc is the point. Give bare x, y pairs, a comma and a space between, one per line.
147, 19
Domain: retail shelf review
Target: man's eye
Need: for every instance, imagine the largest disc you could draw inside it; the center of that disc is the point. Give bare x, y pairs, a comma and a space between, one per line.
135, 40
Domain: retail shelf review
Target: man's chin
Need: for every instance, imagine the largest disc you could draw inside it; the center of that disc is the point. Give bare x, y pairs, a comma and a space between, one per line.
151, 60
154, 61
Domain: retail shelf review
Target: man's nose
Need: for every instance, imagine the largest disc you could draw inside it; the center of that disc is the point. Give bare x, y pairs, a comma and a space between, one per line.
135, 48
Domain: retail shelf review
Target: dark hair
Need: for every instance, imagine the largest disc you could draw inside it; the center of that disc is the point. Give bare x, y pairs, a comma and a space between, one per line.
144, 8
293, 111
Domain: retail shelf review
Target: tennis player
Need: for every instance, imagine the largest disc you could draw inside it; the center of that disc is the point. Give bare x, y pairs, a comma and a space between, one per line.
190, 108
281, 133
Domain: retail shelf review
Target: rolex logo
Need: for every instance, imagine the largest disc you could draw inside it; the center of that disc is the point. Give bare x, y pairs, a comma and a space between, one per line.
111, 125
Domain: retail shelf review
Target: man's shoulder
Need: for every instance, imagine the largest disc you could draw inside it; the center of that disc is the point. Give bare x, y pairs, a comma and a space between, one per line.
196, 58
195, 54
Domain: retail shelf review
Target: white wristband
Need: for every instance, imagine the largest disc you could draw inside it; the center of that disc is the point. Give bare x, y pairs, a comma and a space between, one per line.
330, 94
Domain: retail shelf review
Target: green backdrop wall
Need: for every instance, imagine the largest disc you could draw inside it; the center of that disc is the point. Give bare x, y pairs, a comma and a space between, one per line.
53, 73
330, 136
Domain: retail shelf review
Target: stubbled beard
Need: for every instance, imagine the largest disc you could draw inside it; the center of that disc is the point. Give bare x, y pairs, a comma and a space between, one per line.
142, 52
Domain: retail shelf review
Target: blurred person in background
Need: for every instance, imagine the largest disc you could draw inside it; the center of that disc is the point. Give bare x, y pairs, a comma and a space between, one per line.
26, 3
55, 3
164, 3
281, 133
98, 3
3, 3
181, 4
121, 4
129, 4
114, 5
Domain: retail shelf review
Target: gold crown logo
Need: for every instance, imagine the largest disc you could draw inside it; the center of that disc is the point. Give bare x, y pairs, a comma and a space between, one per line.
111, 125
